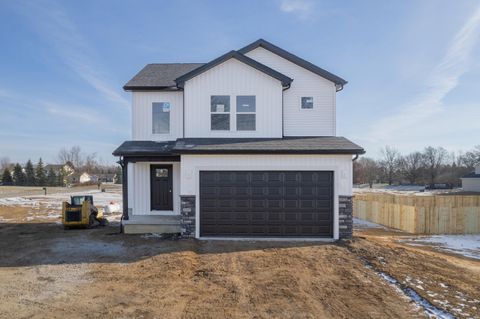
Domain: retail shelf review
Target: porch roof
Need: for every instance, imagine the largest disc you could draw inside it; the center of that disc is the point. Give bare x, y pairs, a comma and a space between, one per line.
286, 145
145, 148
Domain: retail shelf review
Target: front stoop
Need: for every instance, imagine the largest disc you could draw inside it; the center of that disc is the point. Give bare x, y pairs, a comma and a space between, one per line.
169, 224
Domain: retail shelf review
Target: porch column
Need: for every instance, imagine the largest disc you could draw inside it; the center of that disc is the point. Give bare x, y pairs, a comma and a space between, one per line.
124, 164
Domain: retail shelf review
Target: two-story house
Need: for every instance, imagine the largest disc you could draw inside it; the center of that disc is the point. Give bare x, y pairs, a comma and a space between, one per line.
242, 146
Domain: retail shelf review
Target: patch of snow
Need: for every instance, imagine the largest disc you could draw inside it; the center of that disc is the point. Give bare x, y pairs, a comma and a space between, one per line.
360, 223
430, 310
465, 245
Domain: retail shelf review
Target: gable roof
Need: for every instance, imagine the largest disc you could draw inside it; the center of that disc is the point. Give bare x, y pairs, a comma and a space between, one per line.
471, 175
159, 76
240, 57
294, 59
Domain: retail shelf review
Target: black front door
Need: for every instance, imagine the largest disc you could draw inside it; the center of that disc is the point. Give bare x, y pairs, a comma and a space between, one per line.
161, 187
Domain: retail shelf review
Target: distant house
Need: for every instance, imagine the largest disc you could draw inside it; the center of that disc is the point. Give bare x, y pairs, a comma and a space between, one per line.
81, 178
68, 168
471, 181
105, 178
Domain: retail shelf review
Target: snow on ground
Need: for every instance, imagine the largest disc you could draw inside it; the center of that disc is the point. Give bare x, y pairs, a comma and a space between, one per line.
49, 206
360, 223
465, 245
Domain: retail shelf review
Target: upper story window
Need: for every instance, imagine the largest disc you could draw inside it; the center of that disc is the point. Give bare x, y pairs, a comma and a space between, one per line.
161, 118
246, 108
220, 112
307, 102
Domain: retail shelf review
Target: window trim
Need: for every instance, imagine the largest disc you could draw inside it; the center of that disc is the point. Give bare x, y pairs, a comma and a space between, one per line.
224, 113
245, 113
169, 118
306, 108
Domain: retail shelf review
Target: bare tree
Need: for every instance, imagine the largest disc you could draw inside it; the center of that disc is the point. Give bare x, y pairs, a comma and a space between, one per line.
434, 159
411, 167
4, 163
390, 163
91, 163
471, 158
369, 170
73, 155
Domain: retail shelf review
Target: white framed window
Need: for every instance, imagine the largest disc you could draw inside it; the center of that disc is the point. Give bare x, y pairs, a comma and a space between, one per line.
307, 102
246, 113
160, 117
220, 113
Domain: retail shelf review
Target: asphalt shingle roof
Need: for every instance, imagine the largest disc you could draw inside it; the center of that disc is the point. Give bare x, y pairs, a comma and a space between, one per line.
471, 175
159, 76
287, 145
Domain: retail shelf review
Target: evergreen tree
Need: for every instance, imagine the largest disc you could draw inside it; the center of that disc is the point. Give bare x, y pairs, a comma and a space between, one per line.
7, 177
18, 175
119, 175
61, 178
29, 174
51, 177
40, 176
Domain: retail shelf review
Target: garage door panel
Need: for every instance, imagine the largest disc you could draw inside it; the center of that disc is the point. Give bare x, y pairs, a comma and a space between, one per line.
266, 203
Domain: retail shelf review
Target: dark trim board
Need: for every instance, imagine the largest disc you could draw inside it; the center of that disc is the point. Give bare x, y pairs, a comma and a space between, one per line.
135, 159
294, 59
240, 57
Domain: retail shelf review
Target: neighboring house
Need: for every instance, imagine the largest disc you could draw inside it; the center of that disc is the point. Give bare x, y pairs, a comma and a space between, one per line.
105, 178
243, 146
471, 182
68, 168
81, 178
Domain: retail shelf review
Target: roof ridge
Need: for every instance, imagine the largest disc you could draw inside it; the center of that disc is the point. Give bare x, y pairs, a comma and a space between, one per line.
242, 58
294, 59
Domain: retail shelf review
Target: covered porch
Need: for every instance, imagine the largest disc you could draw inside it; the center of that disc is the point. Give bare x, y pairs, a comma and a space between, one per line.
151, 188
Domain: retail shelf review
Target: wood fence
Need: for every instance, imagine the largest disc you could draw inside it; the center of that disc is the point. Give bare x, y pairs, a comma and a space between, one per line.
421, 214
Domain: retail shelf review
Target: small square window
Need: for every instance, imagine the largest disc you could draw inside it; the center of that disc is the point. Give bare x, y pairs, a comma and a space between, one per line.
307, 102
161, 172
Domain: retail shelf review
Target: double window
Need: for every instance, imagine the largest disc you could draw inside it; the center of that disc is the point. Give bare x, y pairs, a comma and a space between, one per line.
246, 113
161, 118
220, 113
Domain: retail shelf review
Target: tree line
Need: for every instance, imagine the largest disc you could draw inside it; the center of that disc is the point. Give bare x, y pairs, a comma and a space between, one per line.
30, 176
432, 165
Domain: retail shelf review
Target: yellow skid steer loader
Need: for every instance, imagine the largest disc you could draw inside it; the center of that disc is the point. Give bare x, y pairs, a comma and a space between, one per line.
81, 213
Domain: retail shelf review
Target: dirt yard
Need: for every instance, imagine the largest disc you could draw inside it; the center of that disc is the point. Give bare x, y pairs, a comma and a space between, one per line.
46, 271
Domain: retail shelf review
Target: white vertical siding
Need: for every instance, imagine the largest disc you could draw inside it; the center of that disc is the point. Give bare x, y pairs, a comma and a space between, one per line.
319, 121
233, 78
341, 165
142, 115
139, 188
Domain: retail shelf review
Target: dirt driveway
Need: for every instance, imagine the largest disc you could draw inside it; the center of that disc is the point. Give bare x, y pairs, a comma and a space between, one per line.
46, 271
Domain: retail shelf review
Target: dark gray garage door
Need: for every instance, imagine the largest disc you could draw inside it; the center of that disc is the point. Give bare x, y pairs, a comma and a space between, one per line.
266, 203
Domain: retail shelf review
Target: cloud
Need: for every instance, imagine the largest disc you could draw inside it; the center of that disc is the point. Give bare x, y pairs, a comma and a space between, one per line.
54, 24
408, 122
301, 8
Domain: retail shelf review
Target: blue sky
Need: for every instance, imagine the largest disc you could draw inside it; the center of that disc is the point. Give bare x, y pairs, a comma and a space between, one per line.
413, 66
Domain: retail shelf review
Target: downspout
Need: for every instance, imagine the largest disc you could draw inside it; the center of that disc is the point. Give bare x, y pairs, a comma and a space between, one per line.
283, 130
355, 158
